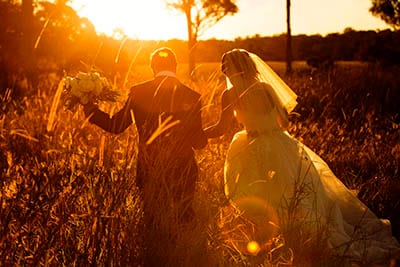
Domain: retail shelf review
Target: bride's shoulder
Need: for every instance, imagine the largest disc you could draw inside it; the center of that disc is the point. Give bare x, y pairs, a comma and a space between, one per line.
265, 86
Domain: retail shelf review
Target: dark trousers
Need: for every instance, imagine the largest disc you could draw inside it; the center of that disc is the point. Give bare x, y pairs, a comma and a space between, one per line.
168, 189
169, 184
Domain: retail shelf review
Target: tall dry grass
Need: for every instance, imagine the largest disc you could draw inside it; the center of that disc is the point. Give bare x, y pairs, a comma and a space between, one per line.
68, 194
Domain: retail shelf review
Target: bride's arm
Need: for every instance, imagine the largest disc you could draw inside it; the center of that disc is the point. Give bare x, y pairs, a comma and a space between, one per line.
225, 121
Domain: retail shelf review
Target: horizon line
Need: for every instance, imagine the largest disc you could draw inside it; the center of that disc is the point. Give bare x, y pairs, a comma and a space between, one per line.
256, 35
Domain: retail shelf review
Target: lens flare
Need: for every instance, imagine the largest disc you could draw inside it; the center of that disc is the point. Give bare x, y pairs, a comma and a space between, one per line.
253, 247
249, 225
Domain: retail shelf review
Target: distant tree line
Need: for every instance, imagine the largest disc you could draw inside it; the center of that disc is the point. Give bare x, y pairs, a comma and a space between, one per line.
351, 45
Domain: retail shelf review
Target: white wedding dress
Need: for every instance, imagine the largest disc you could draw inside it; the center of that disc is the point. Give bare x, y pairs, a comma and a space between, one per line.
280, 185
265, 162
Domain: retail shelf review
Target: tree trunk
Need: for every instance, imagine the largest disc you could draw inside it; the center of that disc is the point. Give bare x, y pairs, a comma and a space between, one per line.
288, 40
191, 40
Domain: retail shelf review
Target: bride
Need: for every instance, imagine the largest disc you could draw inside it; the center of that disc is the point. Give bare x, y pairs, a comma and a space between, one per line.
265, 163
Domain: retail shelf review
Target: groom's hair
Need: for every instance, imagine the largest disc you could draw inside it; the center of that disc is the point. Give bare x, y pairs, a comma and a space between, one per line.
163, 59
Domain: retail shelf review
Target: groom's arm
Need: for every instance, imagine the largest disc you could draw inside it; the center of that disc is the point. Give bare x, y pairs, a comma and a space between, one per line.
114, 124
225, 121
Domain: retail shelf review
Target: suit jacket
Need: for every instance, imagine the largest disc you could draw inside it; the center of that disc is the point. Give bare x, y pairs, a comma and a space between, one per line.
168, 120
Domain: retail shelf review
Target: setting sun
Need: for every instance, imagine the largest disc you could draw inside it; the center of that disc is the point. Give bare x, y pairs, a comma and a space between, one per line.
145, 20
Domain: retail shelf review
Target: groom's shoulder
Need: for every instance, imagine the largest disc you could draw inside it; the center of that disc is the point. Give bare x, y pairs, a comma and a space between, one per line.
190, 95
184, 91
141, 88
191, 91
143, 85
181, 90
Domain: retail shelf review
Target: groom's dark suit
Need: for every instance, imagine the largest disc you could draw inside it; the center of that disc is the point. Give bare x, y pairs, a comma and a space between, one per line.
168, 120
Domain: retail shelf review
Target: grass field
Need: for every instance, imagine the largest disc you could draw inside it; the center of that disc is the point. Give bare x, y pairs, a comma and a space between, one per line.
68, 195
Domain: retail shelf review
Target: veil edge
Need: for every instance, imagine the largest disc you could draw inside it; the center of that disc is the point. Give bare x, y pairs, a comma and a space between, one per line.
286, 96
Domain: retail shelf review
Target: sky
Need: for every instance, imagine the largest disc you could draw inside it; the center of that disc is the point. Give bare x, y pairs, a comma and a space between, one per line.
149, 19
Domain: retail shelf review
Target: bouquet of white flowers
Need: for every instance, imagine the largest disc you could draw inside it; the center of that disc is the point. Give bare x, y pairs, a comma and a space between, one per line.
85, 88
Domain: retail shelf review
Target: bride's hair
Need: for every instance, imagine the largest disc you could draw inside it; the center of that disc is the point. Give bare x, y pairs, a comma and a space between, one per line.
238, 62
250, 73
249, 94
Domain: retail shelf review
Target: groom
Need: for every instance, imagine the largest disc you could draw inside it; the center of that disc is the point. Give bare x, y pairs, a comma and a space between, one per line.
168, 120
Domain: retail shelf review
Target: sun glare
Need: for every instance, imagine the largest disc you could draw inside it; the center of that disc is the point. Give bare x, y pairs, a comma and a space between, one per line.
145, 20
253, 247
